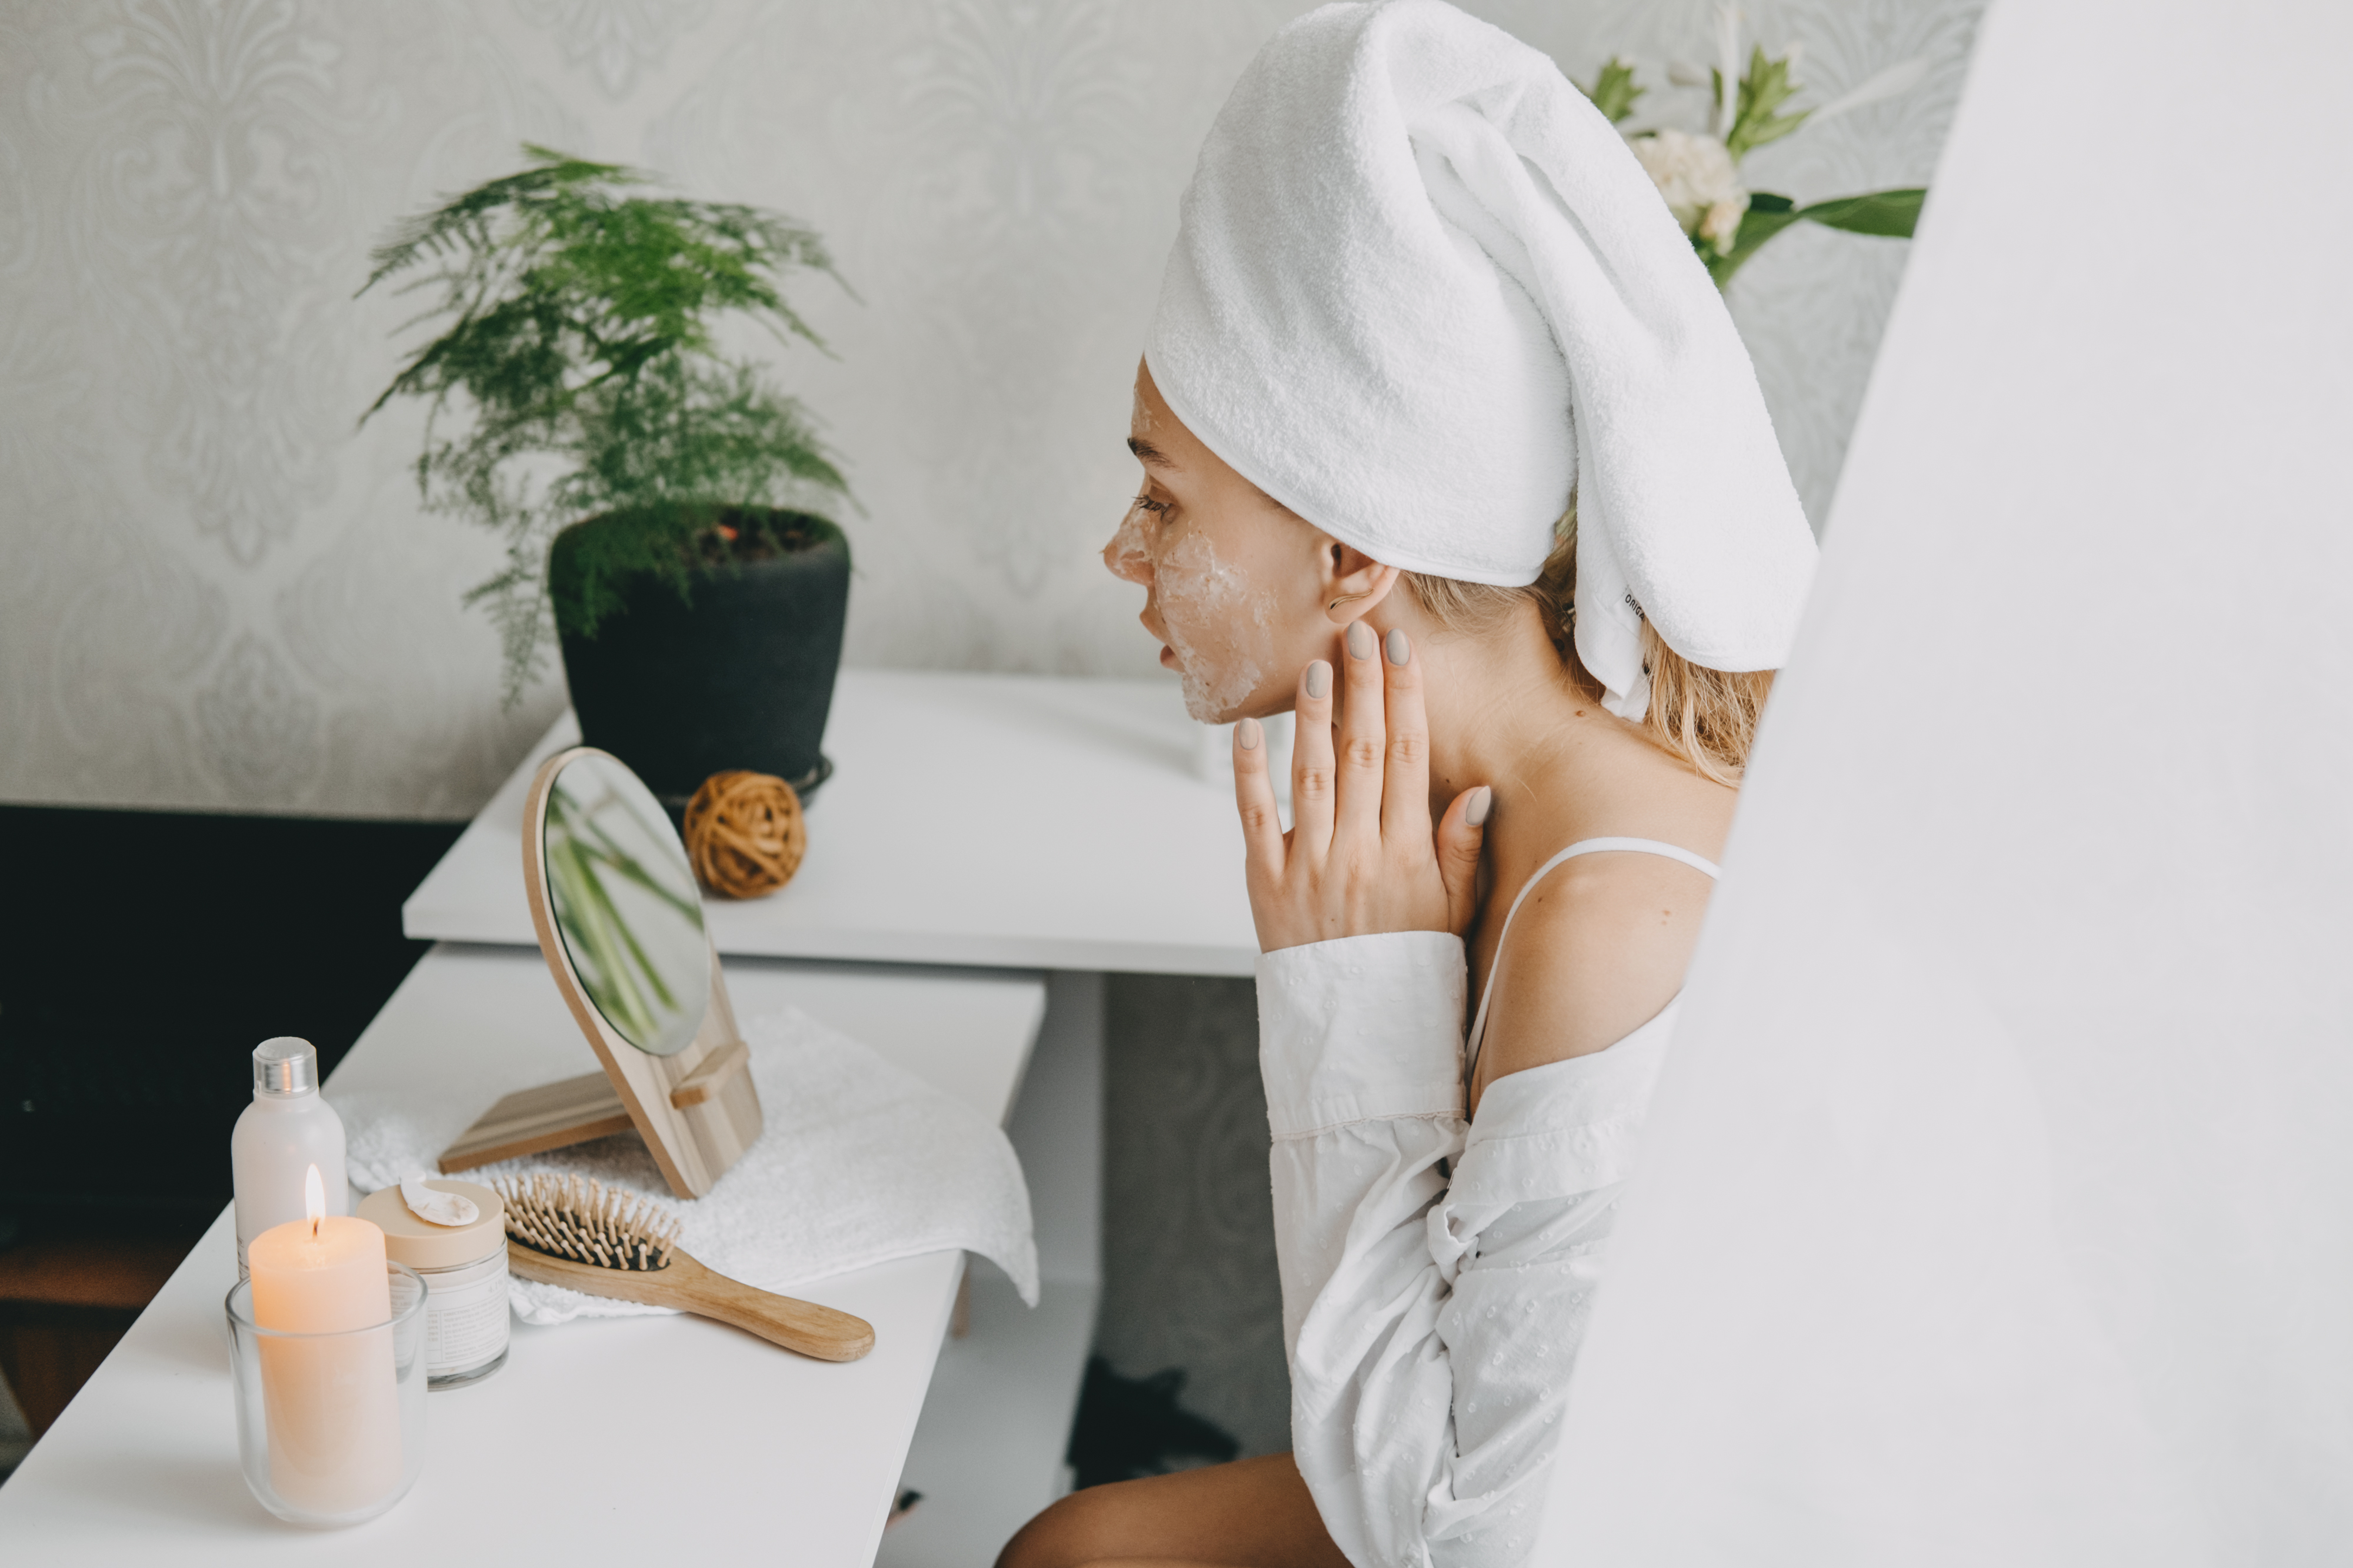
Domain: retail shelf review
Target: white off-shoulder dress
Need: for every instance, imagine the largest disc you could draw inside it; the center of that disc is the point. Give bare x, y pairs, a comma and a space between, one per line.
1437, 1272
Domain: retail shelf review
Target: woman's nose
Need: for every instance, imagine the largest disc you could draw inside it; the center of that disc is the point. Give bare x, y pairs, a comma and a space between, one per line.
1125, 558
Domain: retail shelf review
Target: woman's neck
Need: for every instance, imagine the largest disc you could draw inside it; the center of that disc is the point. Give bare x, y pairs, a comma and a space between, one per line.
1504, 712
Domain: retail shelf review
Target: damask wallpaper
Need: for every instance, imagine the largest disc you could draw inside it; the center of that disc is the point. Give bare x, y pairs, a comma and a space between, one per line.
214, 592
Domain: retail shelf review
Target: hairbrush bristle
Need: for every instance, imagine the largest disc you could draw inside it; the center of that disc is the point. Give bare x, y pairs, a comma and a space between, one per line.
574, 1217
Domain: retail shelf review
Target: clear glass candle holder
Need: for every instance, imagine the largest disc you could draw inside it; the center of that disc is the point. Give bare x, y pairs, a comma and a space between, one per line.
331, 1428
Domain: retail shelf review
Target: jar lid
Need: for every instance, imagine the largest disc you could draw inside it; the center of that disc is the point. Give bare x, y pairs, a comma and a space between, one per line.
421, 1244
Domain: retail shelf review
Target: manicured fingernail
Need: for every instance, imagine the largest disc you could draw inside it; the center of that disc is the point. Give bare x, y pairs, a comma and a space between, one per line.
1319, 679
1475, 813
1246, 732
1360, 640
1400, 650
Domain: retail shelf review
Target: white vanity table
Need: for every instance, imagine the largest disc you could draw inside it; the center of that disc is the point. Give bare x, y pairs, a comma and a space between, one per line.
1039, 832
1023, 821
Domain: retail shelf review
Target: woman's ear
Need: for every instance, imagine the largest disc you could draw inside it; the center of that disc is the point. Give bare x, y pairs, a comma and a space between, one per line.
1354, 583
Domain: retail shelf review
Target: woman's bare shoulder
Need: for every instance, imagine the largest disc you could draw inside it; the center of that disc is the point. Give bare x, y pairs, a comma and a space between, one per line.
1597, 949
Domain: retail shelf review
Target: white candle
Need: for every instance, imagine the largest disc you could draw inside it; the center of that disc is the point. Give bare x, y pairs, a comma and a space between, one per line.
332, 1404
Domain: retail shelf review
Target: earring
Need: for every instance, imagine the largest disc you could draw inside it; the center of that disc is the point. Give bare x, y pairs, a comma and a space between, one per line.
1342, 599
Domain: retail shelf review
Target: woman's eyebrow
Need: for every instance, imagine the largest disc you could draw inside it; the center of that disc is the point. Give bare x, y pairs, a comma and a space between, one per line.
1150, 456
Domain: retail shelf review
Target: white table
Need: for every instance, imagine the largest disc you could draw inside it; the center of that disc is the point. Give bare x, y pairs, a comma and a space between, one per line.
635, 1439
1029, 821
1021, 822
1072, 826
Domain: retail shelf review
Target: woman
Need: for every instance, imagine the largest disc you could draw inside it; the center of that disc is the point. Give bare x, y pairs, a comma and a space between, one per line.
1422, 301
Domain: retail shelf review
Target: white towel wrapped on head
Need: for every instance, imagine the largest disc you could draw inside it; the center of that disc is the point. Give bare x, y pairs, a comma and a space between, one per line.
1423, 292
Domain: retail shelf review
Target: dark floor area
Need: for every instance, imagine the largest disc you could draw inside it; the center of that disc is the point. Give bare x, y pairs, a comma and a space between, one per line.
142, 956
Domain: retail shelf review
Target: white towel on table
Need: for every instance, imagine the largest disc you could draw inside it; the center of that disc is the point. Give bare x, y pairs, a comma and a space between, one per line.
1422, 292
860, 1162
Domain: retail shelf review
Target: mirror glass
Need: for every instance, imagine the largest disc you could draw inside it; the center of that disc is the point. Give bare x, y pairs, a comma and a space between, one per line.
624, 901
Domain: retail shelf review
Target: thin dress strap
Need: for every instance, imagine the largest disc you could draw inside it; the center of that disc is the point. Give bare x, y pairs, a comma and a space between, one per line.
1582, 846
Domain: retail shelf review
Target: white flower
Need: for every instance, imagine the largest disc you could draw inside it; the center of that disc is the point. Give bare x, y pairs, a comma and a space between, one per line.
1721, 226
1696, 177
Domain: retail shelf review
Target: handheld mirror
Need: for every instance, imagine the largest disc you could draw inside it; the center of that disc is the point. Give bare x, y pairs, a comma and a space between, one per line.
624, 905
620, 923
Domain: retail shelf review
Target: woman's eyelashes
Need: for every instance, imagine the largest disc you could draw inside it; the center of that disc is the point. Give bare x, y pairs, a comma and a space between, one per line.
1144, 503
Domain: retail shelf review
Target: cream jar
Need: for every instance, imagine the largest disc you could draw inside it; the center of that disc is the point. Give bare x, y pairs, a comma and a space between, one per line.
464, 1268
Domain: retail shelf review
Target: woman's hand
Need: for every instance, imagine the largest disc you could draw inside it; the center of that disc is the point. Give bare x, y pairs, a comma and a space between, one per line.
1361, 856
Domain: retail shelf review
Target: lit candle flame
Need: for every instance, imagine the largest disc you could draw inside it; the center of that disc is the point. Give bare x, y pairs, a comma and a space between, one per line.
315, 1199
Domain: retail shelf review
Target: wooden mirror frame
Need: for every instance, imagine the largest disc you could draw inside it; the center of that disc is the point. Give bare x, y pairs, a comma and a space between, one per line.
697, 1111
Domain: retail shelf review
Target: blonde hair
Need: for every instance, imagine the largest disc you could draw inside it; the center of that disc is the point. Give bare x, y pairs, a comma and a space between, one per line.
1706, 717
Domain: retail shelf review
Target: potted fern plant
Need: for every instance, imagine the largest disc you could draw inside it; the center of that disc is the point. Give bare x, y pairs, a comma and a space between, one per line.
666, 511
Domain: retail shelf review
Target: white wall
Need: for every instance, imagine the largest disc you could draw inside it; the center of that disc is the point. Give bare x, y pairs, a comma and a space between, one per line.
215, 593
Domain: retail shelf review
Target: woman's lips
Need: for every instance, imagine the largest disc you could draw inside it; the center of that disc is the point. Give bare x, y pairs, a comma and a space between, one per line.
1167, 657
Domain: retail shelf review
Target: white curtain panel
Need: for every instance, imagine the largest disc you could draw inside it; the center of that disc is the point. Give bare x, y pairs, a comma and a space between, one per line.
1997, 1207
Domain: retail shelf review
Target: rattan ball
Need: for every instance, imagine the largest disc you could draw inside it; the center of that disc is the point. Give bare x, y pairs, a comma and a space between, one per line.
745, 834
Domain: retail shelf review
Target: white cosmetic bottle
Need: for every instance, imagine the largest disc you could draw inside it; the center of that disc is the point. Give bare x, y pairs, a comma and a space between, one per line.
288, 1128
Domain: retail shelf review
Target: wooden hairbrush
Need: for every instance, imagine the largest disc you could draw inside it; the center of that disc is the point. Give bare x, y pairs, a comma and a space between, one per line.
571, 1231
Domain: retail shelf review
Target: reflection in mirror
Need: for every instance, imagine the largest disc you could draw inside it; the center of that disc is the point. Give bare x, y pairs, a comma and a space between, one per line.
624, 901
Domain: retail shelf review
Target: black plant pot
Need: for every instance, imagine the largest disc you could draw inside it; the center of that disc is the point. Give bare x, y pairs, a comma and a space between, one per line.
738, 676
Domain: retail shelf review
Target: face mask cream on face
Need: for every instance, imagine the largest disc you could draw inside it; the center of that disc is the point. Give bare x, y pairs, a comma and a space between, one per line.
1221, 627
1130, 556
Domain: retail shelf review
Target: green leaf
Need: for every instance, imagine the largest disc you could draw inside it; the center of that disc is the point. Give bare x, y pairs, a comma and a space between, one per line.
1888, 213
1614, 92
1892, 214
1763, 90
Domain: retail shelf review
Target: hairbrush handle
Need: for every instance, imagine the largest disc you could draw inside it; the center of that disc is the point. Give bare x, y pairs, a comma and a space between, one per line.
687, 1285
803, 1326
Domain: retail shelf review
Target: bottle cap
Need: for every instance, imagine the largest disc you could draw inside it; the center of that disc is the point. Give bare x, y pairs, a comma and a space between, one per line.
285, 1067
